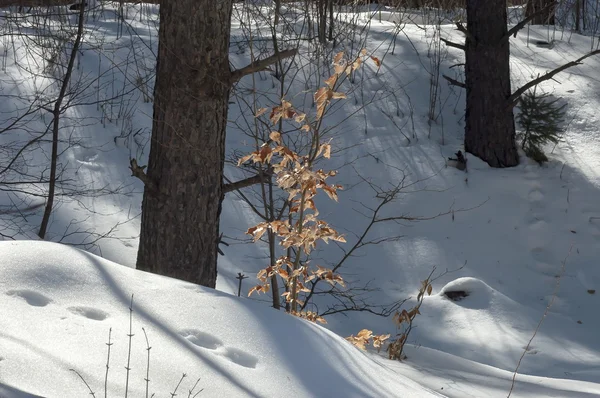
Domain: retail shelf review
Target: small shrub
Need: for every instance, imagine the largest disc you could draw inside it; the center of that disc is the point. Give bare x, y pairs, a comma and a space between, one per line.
298, 176
540, 121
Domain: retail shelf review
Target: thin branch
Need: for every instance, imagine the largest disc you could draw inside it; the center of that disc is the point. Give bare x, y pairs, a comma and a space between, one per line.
464, 30
521, 25
257, 66
454, 82
236, 186
452, 44
138, 172
512, 100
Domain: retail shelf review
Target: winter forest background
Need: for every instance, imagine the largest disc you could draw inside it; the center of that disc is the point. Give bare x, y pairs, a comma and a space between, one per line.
299, 198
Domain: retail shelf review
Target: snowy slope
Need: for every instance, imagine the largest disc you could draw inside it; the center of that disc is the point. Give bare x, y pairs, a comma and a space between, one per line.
521, 225
58, 304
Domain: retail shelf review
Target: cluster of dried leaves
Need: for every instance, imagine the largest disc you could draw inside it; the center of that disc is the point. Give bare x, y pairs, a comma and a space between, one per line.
295, 173
366, 337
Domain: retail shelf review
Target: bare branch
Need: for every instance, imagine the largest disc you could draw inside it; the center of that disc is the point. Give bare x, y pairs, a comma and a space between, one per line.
464, 30
512, 100
138, 172
454, 82
452, 44
257, 66
236, 186
521, 25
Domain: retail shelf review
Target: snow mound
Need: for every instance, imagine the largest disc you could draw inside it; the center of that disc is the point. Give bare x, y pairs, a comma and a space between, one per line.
473, 288
59, 303
469, 319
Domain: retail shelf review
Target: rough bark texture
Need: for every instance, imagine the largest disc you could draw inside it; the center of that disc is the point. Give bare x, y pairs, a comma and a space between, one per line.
180, 223
490, 125
545, 17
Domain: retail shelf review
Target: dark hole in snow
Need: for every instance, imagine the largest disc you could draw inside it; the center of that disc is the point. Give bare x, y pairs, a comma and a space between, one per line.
456, 295
543, 43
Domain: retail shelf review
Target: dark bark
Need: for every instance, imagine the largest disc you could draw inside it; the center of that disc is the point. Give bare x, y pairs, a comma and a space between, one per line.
322, 16
180, 223
331, 19
543, 10
490, 125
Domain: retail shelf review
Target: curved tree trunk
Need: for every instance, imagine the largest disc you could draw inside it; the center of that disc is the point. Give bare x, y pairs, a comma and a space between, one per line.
490, 125
181, 206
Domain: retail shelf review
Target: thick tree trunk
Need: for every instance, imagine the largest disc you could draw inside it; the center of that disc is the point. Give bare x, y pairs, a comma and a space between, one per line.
180, 219
545, 17
490, 126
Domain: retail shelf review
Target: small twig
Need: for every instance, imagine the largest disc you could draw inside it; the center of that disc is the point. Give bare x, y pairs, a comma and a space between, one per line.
193, 388
527, 347
240, 277
147, 379
454, 82
130, 335
86, 384
174, 393
109, 344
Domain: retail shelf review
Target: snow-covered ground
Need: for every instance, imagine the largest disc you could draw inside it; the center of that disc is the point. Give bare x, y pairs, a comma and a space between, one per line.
507, 236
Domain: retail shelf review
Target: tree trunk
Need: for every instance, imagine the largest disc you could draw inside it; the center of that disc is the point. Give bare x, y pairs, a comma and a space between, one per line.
322, 16
545, 17
490, 125
180, 218
577, 16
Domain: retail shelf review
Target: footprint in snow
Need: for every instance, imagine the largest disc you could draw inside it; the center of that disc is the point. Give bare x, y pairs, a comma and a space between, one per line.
33, 298
201, 339
536, 195
240, 357
89, 312
210, 342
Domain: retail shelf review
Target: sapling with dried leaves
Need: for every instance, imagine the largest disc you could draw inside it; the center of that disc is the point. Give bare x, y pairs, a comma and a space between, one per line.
297, 175
404, 322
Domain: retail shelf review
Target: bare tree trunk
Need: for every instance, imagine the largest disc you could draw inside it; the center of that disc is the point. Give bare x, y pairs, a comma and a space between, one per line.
183, 187
56, 126
322, 16
277, 12
330, 20
181, 207
490, 126
545, 17
577, 16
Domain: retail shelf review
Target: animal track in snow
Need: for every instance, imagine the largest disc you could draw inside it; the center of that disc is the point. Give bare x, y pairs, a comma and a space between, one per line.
536, 195
201, 339
240, 357
89, 312
541, 254
205, 340
33, 298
